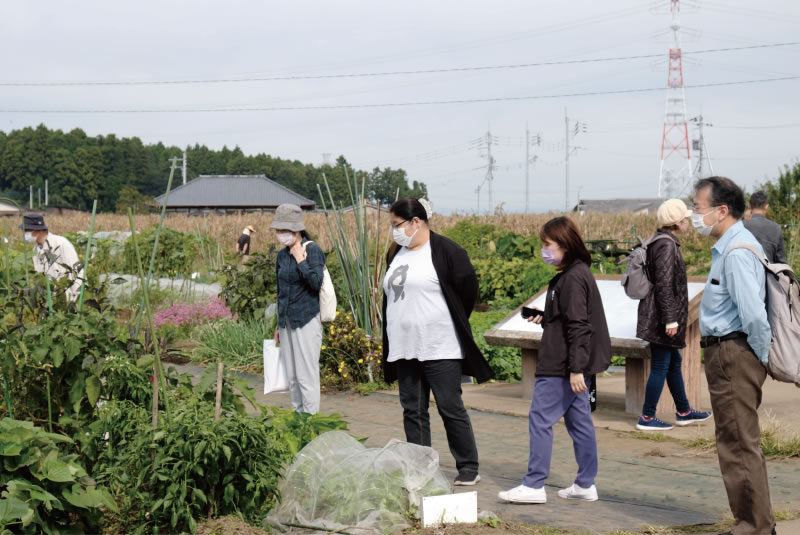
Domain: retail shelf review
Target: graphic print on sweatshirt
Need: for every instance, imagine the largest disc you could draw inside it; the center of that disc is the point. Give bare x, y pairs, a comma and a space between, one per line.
398, 286
418, 321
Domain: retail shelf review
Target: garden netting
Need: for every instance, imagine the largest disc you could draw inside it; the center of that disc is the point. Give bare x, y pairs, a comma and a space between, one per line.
337, 483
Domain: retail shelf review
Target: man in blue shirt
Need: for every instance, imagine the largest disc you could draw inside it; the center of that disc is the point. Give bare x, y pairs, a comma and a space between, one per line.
736, 336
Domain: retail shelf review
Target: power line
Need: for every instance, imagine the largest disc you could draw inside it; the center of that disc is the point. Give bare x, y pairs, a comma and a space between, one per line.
373, 74
394, 104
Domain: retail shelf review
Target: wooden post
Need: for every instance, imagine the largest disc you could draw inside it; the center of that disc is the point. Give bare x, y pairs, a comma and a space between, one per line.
529, 357
218, 404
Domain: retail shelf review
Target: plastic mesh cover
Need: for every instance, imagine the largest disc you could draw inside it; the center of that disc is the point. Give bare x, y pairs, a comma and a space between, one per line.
337, 483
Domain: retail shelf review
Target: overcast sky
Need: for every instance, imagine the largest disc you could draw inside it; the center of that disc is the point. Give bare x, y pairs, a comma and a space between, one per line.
619, 152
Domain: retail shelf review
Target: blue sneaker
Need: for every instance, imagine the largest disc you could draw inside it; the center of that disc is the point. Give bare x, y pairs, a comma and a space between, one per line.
653, 424
693, 417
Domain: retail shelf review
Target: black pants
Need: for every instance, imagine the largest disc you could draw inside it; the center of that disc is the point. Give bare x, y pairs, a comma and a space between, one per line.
416, 381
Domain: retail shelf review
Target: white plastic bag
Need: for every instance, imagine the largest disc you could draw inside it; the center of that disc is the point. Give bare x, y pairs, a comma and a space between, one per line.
275, 378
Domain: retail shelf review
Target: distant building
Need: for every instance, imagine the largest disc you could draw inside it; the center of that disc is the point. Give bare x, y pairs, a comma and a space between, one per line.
231, 194
6, 208
609, 206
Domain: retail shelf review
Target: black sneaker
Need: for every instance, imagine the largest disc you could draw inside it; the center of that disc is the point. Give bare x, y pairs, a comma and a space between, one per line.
466, 480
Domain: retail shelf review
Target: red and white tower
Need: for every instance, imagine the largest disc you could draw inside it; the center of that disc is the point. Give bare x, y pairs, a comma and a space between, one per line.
676, 164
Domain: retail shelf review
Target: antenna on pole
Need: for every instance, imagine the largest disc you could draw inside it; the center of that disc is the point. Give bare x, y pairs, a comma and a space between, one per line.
676, 164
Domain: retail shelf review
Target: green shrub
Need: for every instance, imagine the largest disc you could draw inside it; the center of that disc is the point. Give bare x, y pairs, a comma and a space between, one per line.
177, 252
349, 355
43, 490
505, 361
514, 280
249, 289
192, 467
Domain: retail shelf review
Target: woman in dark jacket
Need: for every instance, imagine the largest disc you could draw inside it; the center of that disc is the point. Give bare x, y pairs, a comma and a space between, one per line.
575, 344
663, 316
430, 289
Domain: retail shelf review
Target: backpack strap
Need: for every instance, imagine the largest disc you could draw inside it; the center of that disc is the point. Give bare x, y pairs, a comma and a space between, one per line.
750, 247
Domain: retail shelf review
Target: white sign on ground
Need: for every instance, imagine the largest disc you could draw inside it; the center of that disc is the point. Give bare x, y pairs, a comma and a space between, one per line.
450, 509
621, 311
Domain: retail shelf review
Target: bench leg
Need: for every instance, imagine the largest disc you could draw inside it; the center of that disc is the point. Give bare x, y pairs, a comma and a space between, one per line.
636, 372
528, 372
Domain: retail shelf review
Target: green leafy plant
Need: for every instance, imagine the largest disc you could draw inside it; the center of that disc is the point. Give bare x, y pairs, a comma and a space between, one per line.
43, 490
192, 466
177, 252
249, 289
506, 362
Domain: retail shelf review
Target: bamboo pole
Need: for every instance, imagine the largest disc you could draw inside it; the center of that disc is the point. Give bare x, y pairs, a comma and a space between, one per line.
50, 315
218, 403
88, 250
159, 368
146, 282
7, 269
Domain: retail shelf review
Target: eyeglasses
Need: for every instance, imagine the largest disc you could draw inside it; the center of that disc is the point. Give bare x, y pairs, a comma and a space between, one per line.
397, 226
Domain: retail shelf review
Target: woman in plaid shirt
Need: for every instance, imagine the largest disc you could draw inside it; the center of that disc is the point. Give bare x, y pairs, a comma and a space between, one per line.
300, 266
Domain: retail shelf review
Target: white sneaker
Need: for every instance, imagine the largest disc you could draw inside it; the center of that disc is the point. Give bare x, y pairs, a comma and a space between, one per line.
576, 492
523, 494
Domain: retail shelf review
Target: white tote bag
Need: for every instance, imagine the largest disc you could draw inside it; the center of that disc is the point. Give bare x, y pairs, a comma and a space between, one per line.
275, 378
327, 295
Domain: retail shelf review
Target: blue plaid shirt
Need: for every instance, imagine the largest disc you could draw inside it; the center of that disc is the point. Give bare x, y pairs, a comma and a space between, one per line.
298, 286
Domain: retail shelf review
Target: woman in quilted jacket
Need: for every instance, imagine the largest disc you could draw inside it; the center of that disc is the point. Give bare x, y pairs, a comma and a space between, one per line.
663, 316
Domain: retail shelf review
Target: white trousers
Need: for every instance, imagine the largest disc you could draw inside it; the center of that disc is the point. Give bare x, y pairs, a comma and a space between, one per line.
300, 352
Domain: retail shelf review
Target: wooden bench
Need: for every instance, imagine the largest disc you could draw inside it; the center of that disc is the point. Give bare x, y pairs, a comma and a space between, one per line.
512, 332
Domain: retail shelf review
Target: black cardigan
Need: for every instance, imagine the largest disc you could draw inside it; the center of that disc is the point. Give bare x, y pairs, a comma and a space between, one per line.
575, 338
460, 288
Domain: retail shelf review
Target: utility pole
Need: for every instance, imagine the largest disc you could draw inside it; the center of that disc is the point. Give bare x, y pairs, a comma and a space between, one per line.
700, 147
527, 166
183, 167
39, 193
45, 192
489, 169
566, 162
30, 201
576, 129
478, 207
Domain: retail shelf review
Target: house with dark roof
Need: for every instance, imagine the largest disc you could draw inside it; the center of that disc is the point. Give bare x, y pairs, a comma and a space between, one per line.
231, 194
640, 206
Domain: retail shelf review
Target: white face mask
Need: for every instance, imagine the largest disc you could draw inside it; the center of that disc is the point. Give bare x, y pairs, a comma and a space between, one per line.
30, 238
401, 238
698, 222
286, 239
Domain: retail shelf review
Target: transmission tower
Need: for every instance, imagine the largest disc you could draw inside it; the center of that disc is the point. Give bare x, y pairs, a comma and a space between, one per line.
704, 168
676, 163
489, 178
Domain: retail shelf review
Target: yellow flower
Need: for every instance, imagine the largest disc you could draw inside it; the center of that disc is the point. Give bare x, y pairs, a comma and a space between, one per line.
341, 364
360, 361
344, 375
379, 361
337, 312
323, 347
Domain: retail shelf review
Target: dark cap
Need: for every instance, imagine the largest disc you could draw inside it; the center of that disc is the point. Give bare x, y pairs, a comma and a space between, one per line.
33, 222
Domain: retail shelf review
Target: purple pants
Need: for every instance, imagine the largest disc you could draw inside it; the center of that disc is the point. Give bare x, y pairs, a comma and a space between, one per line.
553, 398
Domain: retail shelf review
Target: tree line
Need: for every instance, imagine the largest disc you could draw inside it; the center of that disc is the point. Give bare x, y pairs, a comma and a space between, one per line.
119, 172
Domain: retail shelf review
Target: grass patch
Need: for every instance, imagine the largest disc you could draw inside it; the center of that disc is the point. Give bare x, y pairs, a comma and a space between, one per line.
776, 442
240, 344
655, 437
366, 389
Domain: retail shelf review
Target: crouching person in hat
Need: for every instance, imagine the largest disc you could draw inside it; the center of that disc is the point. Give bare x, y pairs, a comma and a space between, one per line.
53, 254
243, 244
300, 265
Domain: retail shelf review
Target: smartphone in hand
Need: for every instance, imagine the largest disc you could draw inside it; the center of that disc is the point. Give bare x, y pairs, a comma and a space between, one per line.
531, 312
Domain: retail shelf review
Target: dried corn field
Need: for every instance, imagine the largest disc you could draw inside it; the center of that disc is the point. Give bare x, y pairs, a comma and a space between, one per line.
226, 229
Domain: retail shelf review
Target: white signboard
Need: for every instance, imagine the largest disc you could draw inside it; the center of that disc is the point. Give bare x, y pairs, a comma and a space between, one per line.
621, 311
